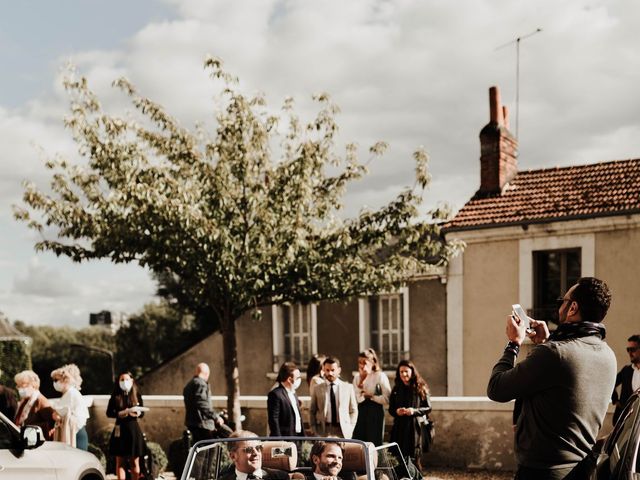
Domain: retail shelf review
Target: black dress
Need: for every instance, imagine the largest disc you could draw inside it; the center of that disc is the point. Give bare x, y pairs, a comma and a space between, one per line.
126, 439
405, 431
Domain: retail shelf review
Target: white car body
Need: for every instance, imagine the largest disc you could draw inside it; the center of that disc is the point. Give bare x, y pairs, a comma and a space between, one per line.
47, 461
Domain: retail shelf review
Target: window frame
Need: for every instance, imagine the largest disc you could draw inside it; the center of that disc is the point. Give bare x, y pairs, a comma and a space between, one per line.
364, 325
278, 335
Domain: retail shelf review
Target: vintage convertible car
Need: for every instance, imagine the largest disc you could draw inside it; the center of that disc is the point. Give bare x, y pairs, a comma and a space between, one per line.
619, 455
290, 458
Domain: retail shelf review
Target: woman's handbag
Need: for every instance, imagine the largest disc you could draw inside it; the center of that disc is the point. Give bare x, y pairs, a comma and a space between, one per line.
427, 432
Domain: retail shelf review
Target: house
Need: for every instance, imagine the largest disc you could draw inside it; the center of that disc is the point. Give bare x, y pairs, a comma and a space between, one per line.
530, 235
409, 323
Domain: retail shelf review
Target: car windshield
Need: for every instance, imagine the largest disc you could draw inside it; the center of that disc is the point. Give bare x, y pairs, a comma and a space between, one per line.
292, 458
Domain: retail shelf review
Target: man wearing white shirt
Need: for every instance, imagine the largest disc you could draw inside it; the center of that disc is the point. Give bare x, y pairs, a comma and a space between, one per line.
283, 406
246, 456
333, 409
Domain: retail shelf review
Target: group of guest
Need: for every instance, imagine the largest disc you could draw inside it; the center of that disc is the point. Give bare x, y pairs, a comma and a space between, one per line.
65, 421
352, 410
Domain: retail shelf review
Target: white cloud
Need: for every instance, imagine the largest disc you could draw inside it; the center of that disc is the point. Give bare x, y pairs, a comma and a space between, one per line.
406, 71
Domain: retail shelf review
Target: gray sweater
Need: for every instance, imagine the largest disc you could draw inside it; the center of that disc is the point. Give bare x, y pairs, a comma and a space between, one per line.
565, 387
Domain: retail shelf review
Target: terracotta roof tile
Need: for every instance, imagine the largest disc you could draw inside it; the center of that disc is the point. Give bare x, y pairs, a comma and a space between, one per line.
537, 196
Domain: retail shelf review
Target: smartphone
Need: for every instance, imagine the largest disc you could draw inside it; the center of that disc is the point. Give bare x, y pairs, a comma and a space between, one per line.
519, 312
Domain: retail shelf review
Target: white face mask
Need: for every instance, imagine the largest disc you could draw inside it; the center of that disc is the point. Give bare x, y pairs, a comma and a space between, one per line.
126, 385
57, 386
297, 383
25, 392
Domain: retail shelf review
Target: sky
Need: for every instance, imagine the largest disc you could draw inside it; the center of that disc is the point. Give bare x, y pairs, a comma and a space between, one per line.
409, 72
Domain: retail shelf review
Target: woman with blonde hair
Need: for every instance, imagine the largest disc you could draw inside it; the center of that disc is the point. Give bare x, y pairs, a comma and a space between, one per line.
71, 412
34, 408
372, 393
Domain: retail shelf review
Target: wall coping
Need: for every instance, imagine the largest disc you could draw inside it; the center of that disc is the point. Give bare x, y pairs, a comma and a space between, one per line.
260, 401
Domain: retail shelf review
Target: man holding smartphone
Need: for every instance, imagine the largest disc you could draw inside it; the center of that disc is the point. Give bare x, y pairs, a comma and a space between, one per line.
564, 384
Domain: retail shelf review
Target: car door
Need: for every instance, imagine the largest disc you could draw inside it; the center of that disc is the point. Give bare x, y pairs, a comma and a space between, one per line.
32, 464
619, 457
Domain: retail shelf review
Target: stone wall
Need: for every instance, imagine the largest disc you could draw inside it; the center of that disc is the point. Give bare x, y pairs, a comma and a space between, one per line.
471, 432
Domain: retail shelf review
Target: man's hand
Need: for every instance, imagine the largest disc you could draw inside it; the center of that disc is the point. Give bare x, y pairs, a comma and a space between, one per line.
540, 331
516, 332
219, 421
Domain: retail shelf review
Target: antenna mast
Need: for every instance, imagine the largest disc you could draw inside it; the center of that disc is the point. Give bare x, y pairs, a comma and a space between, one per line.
517, 42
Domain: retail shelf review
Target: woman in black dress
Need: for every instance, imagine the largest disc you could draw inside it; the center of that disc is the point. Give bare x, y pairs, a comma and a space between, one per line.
409, 400
126, 443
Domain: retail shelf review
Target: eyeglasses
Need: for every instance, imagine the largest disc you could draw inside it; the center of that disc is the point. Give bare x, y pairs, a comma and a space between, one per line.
632, 349
251, 449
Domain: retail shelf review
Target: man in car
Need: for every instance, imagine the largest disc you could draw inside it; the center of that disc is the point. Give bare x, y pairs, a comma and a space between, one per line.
326, 458
564, 384
246, 456
628, 377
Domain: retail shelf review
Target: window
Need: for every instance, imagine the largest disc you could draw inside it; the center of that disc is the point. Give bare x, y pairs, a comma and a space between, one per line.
554, 272
384, 326
294, 334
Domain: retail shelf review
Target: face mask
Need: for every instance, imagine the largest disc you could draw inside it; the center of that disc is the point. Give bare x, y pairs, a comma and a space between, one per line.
57, 386
126, 385
25, 392
297, 383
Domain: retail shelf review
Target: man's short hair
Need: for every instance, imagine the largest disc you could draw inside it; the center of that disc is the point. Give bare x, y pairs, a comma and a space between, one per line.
286, 371
320, 446
331, 360
593, 298
634, 338
239, 434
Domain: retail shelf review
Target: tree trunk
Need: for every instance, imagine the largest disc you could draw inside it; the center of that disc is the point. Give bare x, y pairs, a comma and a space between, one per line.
231, 374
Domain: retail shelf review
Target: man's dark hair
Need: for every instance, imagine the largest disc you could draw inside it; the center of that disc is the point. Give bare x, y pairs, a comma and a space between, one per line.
319, 447
634, 338
286, 371
331, 360
593, 298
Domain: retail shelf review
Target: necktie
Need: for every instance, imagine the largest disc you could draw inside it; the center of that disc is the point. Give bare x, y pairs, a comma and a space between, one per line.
334, 408
251, 476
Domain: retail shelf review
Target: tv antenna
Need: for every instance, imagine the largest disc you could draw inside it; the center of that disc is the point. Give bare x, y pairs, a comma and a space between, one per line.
517, 42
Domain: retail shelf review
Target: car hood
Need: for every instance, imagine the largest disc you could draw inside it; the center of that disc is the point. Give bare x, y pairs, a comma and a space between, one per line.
64, 456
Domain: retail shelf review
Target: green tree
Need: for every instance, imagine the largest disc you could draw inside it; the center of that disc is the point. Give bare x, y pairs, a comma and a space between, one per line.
53, 347
151, 336
237, 219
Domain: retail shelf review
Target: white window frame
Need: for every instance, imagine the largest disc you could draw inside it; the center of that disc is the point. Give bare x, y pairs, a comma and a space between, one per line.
585, 242
364, 325
277, 332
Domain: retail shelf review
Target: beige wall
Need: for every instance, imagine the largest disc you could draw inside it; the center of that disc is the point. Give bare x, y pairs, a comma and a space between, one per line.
618, 263
490, 287
428, 332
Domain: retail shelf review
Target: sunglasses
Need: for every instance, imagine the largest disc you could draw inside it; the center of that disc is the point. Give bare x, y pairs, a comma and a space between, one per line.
250, 450
632, 349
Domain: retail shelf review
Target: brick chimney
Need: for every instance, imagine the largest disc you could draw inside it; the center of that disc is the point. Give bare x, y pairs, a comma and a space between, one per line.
498, 148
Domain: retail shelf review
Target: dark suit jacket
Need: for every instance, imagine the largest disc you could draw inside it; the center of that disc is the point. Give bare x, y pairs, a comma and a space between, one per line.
268, 474
41, 414
282, 418
623, 378
197, 405
8, 402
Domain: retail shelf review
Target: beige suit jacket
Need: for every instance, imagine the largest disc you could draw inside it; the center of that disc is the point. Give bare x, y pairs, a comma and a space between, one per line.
347, 407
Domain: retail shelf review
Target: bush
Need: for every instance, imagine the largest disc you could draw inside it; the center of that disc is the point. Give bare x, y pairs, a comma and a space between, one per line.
97, 451
16, 357
159, 458
178, 452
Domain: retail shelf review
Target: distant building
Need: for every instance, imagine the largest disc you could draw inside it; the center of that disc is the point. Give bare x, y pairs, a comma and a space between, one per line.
107, 319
